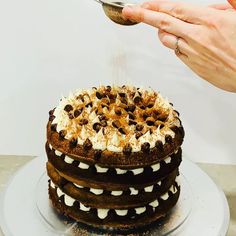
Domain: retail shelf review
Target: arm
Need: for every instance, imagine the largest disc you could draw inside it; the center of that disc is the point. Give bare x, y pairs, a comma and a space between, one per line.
206, 37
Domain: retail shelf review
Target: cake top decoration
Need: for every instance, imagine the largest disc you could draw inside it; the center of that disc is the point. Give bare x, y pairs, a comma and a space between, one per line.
115, 118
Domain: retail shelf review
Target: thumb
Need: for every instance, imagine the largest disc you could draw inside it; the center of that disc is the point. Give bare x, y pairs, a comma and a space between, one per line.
232, 3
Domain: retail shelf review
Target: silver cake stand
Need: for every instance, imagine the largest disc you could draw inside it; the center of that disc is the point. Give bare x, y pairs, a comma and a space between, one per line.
25, 209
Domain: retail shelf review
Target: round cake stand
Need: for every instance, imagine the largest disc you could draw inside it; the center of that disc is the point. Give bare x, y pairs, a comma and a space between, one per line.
19, 214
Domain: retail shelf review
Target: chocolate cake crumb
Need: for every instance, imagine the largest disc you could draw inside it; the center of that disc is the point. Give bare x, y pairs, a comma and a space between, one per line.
87, 144
68, 108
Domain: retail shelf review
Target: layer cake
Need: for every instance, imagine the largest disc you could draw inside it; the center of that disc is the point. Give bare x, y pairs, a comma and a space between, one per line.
113, 156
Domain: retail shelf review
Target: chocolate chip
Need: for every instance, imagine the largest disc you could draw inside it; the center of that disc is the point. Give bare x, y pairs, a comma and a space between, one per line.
138, 135
102, 117
162, 118
103, 123
99, 95
123, 86
137, 99
71, 116
116, 124
83, 121
54, 127
97, 154
124, 101
131, 115
97, 126
68, 108
95, 88
87, 144
145, 115
51, 112
105, 105
162, 126
139, 127
145, 147
108, 88
159, 145
168, 138
132, 122
123, 95
127, 149
81, 97
150, 105
112, 98
51, 118
118, 111
73, 143
78, 112
122, 130
62, 134
90, 104
142, 107
150, 121
131, 108
171, 104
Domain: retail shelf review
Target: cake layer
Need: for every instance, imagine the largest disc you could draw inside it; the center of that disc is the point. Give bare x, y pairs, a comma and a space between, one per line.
116, 218
80, 176
117, 159
101, 198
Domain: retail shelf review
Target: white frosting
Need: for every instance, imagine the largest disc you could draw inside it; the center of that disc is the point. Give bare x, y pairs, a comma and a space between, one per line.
116, 193
156, 167
167, 160
99, 141
102, 213
159, 183
133, 191
59, 192
58, 153
154, 203
96, 191
177, 180
52, 184
147, 137
149, 189
134, 144
101, 169
165, 196
120, 171
83, 207
173, 189
83, 166
68, 160
69, 201
78, 186
140, 210
50, 146
137, 171
121, 212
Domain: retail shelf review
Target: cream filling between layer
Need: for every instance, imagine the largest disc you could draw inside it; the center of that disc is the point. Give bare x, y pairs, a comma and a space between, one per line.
102, 213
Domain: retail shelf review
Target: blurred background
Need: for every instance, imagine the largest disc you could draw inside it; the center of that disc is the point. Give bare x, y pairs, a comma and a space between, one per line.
50, 47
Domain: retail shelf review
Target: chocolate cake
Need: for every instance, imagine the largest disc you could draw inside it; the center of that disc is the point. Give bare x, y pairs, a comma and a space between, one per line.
113, 156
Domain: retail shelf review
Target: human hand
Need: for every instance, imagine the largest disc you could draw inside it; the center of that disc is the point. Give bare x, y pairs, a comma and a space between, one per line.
202, 37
